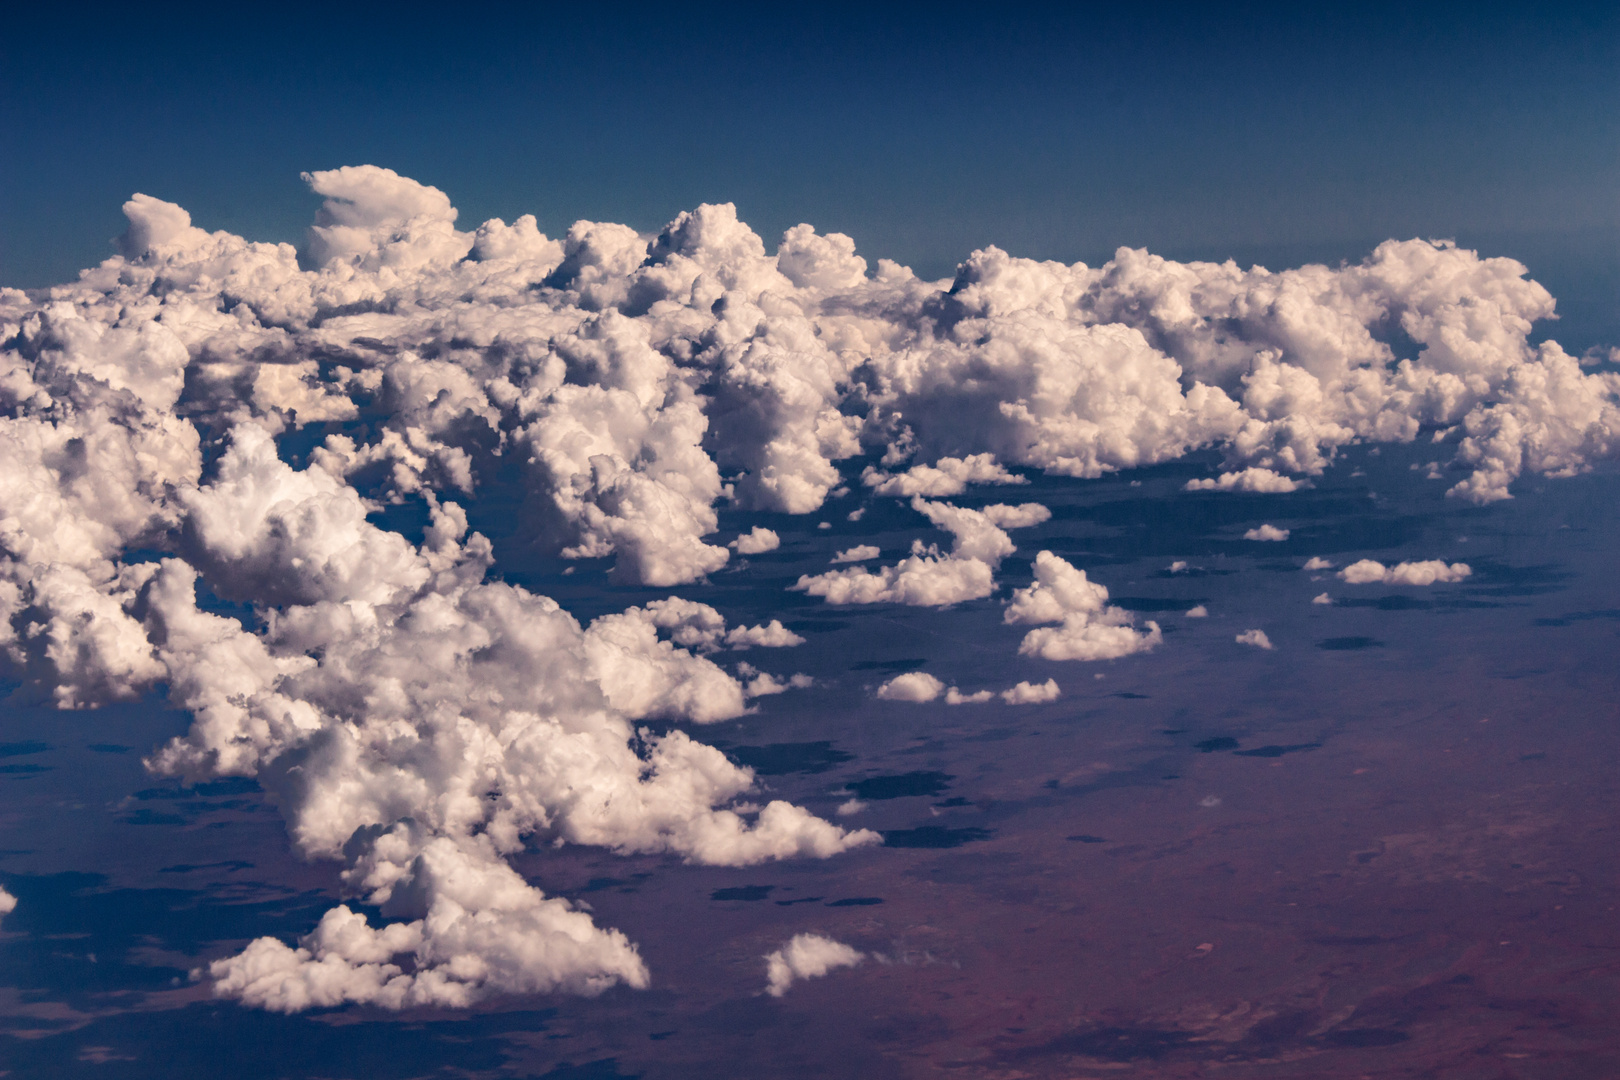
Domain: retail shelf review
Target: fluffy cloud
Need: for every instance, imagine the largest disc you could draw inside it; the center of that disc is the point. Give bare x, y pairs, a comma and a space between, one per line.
953, 696
914, 686
858, 553
1321, 598
1266, 532
1028, 693
1316, 562
1089, 628
928, 578
757, 541
8, 903
628, 374
1429, 572
417, 720
1252, 479
1257, 638
806, 956
1198, 611
947, 476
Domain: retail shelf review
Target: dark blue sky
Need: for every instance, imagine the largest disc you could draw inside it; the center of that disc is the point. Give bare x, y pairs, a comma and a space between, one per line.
1265, 133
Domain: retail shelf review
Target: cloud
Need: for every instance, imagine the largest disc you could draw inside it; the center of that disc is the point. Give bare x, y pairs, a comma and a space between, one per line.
1257, 638
1252, 479
953, 696
927, 578
1089, 628
947, 476
1316, 562
772, 635
1322, 598
1198, 611
1266, 532
418, 720
1430, 572
806, 956
858, 553
8, 904
1028, 693
914, 686
756, 542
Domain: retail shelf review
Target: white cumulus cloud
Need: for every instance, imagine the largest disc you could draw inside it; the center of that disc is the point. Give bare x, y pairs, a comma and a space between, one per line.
806, 956
928, 578
1257, 638
757, 541
914, 686
1428, 572
1266, 532
1028, 693
1089, 628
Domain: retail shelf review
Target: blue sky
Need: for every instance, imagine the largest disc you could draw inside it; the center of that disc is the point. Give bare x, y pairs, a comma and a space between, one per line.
1265, 133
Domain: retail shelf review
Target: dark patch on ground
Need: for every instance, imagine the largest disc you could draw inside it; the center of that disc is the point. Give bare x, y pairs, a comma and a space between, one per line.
779, 759
1128, 695
1581, 616
17, 749
109, 748
857, 901
742, 892
1348, 644
1121, 1044
1365, 1038
1277, 751
1396, 602
933, 836
1219, 742
902, 785
230, 867
800, 900
1157, 603
24, 770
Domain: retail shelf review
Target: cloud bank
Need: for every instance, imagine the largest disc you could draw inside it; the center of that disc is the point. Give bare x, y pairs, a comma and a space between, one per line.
417, 720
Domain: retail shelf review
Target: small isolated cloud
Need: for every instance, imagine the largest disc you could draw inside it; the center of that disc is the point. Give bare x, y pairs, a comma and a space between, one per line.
1028, 693
1257, 638
850, 806
947, 476
953, 696
1256, 480
1266, 532
1198, 612
764, 684
1322, 598
1178, 567
756, 542
807, 956
856, 514
858, 553
8, 903
1430, 572
916, 686
1316, 562
771, 635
